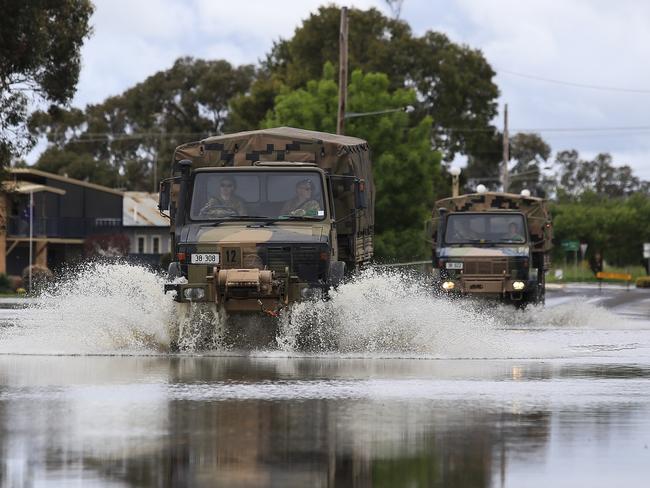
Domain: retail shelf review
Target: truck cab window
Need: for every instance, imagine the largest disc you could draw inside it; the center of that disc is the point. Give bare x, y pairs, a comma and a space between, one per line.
265, 194
485, 228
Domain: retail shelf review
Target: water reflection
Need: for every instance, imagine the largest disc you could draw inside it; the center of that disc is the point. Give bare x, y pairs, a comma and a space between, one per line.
237, 421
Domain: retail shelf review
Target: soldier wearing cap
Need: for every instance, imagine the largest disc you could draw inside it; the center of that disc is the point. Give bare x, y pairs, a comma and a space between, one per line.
303, 203
514, 233
226, 202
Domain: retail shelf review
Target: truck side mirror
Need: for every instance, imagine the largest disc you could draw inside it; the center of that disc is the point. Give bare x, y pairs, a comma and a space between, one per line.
164, 195
360, 194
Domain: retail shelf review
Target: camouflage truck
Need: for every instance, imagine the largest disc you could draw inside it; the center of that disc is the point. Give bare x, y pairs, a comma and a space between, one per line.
492, 245
265, 218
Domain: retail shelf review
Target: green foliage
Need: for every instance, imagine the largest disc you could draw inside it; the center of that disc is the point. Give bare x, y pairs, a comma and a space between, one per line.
40, 42
530, 152
615, 228
5, 284
643, 282
117, 142
576, 177
453, 83
405, 166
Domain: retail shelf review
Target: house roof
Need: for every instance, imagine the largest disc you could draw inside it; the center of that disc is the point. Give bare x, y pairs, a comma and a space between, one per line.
140, 209
65, 179
28, 187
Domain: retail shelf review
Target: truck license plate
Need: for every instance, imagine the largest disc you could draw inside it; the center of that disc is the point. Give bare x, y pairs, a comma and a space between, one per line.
454, 265
205, 258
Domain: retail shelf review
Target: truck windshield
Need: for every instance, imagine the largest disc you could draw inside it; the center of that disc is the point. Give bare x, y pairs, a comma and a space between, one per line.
261, 194
485, 228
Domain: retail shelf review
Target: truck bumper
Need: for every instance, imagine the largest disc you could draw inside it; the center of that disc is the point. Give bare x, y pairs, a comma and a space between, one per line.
487, 287
246, 290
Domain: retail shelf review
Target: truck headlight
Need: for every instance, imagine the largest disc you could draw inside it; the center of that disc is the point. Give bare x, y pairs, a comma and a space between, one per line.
518, 285
448, 285
194, 293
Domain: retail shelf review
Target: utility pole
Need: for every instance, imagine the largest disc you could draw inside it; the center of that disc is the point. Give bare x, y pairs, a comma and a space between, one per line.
506, 151
155, 172
343, 70
31, 238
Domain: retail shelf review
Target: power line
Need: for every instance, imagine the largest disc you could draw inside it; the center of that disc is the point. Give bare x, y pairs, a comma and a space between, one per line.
640, 128
109, 137
577, 85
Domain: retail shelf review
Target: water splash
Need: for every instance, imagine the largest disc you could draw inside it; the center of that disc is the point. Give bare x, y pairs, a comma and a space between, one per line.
395, 312
121, 308
98, 308
390, 311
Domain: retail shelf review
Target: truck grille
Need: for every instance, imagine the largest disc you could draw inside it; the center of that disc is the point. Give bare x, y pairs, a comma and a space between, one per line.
278, 258
494, 267
303, 261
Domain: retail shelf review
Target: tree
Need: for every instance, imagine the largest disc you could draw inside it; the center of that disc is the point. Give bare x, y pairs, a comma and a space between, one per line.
40, 44
530, 152
406, 170
576, 176
118, 141
453, 83
613, 228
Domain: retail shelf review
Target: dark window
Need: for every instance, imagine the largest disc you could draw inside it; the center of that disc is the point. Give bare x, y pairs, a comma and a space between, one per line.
155, 245
485, 228
266, 194
140, 245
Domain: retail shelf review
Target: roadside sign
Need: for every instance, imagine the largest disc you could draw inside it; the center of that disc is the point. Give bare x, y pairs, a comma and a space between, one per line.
583, 249
614, 276
646, 250
572, 246
559, 274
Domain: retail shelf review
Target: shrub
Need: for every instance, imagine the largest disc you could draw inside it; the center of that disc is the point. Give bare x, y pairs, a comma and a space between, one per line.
5, 284
41, 277
643, 282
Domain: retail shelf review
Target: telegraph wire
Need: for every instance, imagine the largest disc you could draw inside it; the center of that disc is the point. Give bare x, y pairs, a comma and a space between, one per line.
577, 85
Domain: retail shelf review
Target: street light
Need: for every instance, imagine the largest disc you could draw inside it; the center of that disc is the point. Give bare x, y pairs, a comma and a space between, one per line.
455, 173
351, 115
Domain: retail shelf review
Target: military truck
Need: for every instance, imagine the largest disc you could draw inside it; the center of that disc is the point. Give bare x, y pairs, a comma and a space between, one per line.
248, 236
492, 245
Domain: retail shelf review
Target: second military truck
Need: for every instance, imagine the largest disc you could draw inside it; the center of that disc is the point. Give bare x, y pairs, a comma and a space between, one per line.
492, 245
265, 218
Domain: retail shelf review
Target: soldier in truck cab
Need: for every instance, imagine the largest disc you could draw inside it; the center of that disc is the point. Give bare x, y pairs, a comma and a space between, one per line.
226, 202
514, 233
463, 232
304, 202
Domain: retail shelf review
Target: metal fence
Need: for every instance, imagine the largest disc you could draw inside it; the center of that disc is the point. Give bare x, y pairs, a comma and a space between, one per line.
72, 227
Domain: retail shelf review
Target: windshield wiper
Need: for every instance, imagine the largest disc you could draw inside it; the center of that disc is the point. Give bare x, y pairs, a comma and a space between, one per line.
296, 217
231, 218
264, 220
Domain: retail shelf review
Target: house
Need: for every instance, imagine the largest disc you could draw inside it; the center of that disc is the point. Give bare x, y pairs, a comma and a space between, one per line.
54, 213
146, 228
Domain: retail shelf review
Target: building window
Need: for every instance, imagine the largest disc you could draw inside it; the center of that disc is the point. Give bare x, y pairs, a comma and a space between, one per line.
155, 245
141, 242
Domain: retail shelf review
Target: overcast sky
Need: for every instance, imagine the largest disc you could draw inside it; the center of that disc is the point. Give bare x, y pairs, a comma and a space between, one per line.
598, 50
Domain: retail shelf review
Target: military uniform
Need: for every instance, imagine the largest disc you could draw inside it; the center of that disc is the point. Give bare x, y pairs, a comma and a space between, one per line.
296, 207
219, 207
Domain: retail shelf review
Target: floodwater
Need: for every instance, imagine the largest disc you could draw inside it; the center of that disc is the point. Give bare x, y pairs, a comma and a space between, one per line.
416, 391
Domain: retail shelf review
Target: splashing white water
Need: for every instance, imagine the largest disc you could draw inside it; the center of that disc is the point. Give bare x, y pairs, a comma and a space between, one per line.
390, 311
121, 308
100, 308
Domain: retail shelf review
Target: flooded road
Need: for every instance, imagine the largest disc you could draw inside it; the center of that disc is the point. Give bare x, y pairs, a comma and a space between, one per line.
555, 396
